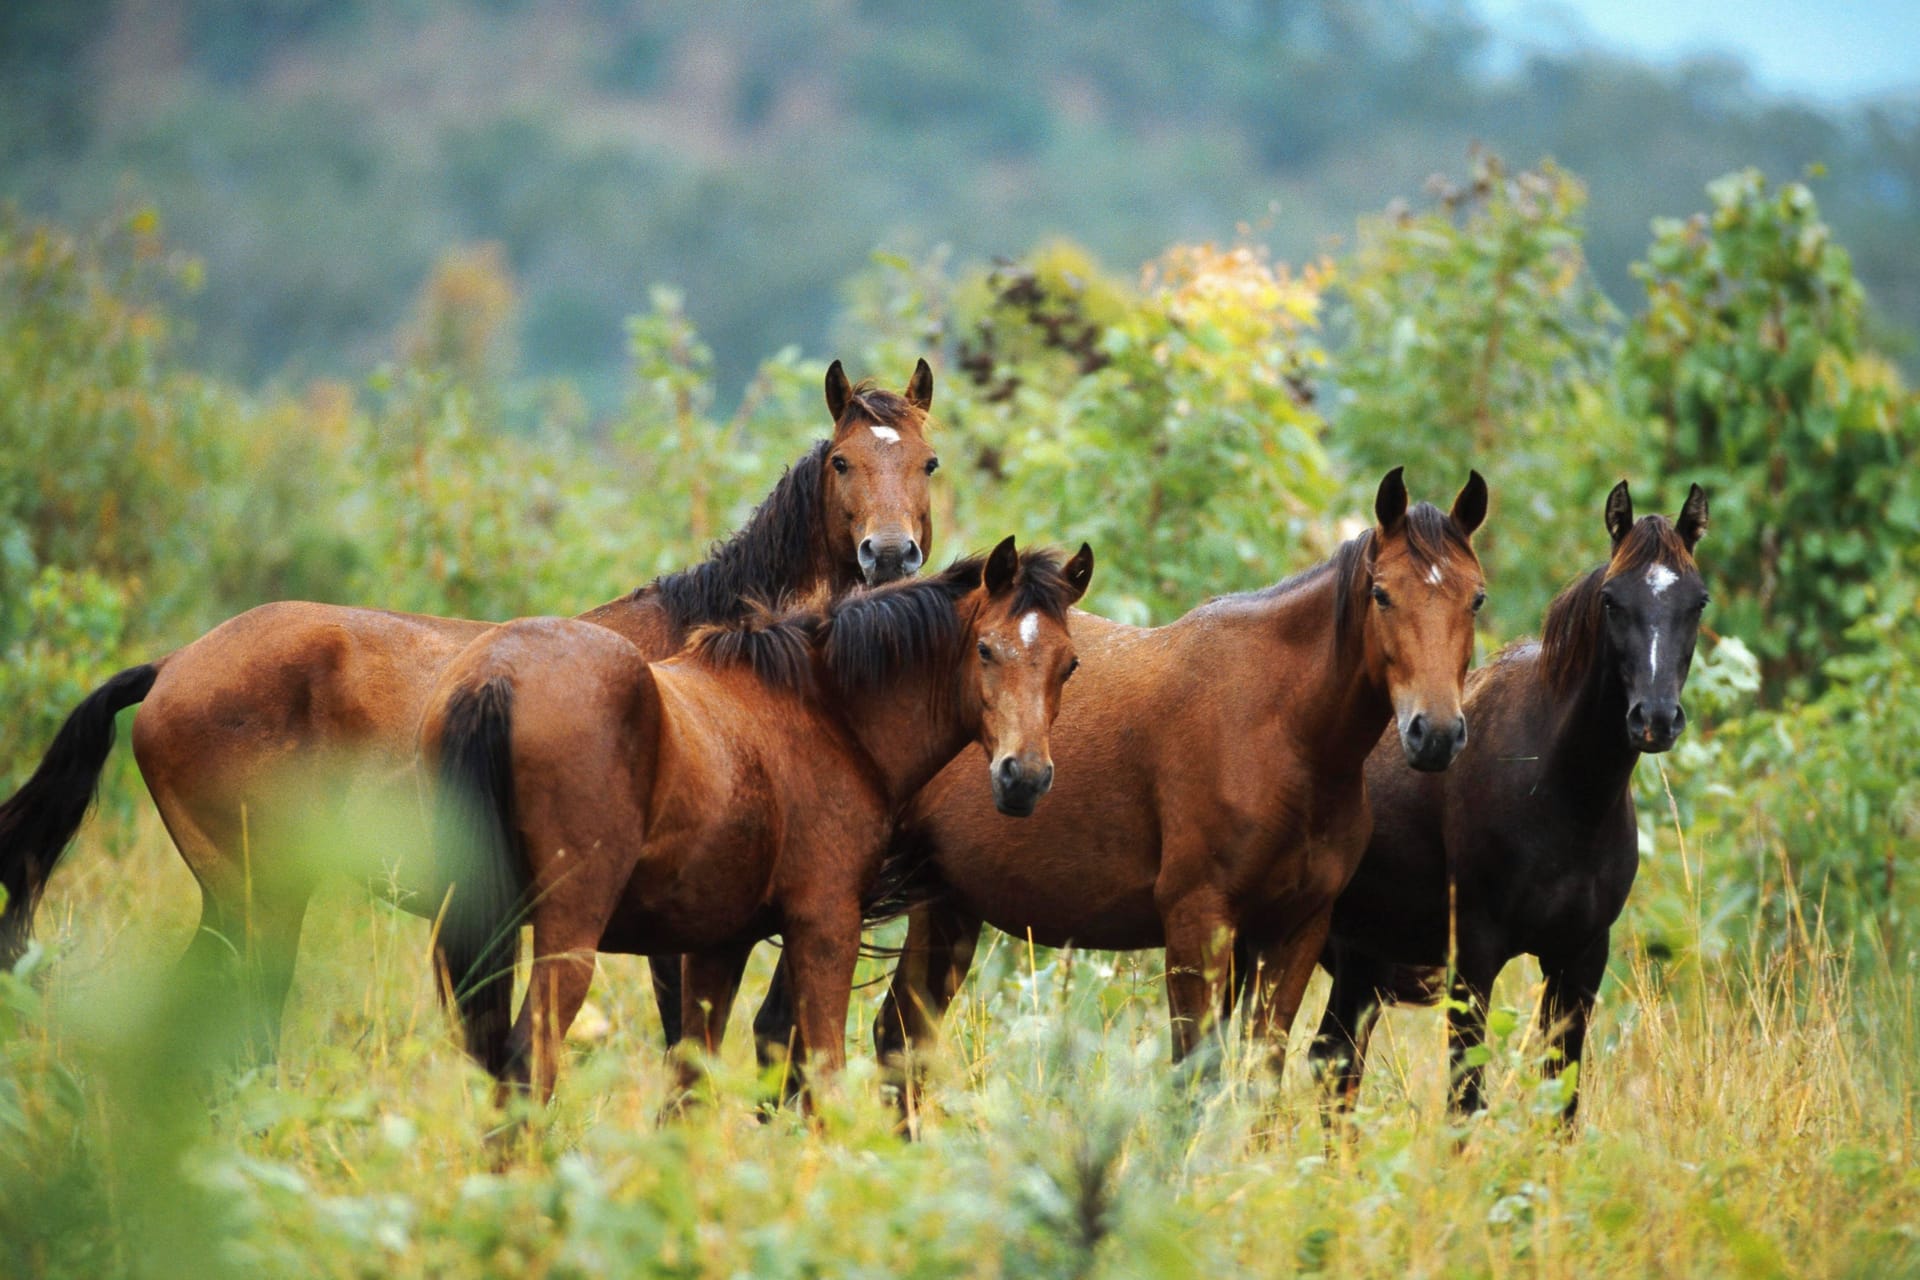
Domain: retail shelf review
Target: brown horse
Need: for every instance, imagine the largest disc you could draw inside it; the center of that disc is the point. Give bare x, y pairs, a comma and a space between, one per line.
285, 687
1211, 778
1528, 844
745, 788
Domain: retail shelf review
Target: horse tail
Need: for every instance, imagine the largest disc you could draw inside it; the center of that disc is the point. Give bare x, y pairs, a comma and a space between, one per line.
477, 842
39, 822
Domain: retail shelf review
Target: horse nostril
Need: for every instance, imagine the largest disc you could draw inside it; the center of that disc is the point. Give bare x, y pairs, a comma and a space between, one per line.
1006, 770
1417, 731
1459, 734
1636, 719
866, 551
1046, 779
913, 557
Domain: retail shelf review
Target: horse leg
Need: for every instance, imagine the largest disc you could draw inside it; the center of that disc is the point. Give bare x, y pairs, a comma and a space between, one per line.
1572, 986
1199, 934
1339, 1052
563, 965
665, 971
774, 1031
1285, 968
933, 963
247, 942
823, 945
710, 982
1467, 1035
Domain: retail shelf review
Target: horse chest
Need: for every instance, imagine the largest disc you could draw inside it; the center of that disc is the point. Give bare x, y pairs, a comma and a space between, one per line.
1560, 878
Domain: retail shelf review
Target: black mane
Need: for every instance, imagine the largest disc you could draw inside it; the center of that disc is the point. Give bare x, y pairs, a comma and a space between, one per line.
868, 637
778, 552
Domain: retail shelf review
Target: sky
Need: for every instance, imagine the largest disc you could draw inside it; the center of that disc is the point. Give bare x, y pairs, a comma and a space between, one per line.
1834, 52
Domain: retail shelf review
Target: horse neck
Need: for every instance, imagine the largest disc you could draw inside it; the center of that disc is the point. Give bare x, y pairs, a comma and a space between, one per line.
1589, 755
1338, 698
911, 728
730, 585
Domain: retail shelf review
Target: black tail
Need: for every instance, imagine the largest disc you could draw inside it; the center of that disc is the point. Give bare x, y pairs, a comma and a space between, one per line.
38, 823
476, 839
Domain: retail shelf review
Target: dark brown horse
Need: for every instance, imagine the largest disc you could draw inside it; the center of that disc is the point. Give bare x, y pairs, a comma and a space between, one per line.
746, 787
230, 719
1531, 834
1211, 778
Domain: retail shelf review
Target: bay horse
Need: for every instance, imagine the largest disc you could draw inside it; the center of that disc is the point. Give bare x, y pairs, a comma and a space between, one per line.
1211, 779
1530, 836
744, 788
283, 687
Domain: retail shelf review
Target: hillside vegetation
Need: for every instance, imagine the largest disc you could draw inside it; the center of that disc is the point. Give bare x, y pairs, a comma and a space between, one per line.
320, 155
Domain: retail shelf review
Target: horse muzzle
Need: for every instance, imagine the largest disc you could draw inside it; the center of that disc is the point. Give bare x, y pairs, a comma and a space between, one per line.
889, 558
1431, 745
1654, 728
1019, 785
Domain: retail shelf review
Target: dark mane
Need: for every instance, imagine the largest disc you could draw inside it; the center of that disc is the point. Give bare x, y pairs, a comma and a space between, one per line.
777, 645
874, 403
873, 635
869, 637
1571, 637
778, 551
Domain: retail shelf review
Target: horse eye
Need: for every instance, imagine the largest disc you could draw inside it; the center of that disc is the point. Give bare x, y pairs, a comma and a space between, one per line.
1479, 598
1071, 668
933, 465
1606, 602
839, 464
1381, 598
986, 654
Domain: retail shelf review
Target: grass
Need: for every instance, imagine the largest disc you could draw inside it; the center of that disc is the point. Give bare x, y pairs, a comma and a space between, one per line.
1750, 1115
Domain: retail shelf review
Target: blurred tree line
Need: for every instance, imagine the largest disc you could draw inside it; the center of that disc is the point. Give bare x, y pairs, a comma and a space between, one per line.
318, 154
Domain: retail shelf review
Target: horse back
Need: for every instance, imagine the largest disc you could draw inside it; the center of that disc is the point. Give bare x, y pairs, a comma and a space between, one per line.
283, 687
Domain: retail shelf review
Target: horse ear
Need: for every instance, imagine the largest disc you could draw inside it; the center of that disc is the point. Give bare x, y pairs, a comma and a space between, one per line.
1619, 513
838, 390
1390, 503
1692, 524
1470, 507
1002, 567
920, 387
1079, 572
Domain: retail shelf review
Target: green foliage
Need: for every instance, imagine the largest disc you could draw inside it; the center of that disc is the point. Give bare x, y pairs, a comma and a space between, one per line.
65, 631
1476, 337
1749, 370
1802, 813
1172, 425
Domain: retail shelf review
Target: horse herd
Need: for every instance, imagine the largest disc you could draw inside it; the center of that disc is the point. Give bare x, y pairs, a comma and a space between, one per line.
773, 742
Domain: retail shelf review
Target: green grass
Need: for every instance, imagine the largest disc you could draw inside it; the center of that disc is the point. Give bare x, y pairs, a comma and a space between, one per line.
1747, 1117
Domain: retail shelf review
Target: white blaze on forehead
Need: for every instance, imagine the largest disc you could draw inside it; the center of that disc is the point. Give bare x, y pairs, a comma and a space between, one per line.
887, 435
1029, 628
1434, 575
1653, 653
1659, 578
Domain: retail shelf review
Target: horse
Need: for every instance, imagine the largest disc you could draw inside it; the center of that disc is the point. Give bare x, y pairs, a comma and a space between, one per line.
743, 788
1528, 844
231, 718
1212, 785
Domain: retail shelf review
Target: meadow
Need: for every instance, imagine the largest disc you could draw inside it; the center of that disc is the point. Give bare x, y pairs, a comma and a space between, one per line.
1750, 1092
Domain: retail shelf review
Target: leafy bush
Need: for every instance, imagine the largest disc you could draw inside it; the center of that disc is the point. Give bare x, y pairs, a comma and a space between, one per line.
1473, 335
1749, 371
